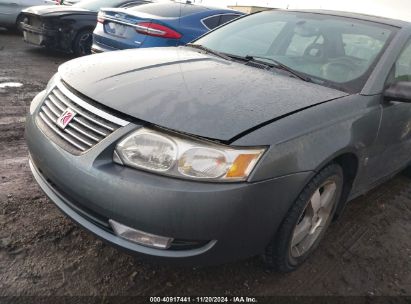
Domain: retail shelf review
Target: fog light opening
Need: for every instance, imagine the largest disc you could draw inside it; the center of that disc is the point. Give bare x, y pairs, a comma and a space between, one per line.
140, 237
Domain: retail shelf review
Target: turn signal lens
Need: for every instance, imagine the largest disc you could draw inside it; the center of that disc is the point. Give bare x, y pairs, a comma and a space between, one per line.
242, 165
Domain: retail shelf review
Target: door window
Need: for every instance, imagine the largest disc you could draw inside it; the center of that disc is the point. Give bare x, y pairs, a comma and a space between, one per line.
215, 21
226, 18
403, 65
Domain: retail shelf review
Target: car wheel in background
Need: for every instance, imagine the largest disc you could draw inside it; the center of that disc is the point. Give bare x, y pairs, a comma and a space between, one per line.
82, 43
306, 222
21, 18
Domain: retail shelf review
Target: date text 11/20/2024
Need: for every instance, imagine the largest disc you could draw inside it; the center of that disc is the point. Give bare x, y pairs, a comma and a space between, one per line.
237, 299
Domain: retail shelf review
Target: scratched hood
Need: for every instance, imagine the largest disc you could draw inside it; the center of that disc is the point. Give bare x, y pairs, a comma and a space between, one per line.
190, 92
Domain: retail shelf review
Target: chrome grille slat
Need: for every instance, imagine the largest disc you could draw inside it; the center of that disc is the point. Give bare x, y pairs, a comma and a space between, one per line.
53, 108
78, 129
49, 113
88, 127
53, 99
55, 129
83, 114
76, 136
98, 112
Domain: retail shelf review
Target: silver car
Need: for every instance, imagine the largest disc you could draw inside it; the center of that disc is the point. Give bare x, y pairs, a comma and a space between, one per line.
10, 11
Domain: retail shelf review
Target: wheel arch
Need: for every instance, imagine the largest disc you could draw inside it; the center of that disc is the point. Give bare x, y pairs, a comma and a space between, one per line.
18, 17
78, 32
18, 20
348, 160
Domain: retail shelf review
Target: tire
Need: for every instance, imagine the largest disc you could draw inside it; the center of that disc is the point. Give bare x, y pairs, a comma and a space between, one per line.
286, 252
82, 43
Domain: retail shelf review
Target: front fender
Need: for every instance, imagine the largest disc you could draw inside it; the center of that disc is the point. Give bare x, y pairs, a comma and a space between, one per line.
308, 140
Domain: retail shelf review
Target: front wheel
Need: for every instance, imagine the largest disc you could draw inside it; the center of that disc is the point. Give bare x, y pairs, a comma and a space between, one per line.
82, 43
306, 222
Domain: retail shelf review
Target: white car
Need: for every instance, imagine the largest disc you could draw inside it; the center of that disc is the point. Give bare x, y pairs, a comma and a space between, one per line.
10, 11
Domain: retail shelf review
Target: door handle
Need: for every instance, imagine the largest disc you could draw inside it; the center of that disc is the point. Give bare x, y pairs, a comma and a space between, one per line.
14, 4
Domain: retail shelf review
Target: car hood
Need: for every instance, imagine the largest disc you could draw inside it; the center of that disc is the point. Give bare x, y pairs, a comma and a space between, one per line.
47, 10
191, 92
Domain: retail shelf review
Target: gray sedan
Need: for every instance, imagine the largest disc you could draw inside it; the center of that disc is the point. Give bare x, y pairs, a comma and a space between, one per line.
248, 141
10, 11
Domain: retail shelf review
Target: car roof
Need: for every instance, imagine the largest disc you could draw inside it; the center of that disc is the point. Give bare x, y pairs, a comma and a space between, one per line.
353, 15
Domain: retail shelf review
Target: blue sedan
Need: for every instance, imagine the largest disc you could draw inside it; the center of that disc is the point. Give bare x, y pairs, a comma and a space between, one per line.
155, 25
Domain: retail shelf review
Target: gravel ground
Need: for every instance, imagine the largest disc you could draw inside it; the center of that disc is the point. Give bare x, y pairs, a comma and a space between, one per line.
367, 252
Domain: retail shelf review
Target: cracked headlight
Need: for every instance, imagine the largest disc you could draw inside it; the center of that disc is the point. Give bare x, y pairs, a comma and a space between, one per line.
186, 157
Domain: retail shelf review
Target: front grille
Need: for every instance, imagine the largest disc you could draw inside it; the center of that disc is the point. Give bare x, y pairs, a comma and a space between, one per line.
88, 127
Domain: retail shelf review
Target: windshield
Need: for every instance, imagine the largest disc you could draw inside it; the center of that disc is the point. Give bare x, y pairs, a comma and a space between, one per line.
96, 5
334, 51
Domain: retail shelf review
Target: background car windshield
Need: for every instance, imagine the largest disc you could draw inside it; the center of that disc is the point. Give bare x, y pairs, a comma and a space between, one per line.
335, 51
96, 5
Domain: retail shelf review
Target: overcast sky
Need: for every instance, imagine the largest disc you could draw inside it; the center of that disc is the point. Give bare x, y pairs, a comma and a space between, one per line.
399, 9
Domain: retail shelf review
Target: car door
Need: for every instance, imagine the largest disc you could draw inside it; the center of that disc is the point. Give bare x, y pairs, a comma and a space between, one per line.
9, 9
394, 138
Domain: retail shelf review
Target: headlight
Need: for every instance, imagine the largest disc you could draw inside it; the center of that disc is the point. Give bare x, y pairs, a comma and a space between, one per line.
148, 151
184, 157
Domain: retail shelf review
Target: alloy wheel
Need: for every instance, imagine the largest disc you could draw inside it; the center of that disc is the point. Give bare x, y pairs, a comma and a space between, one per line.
313, 219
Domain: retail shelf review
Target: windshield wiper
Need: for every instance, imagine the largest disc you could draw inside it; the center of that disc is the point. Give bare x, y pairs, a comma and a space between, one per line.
254, 58
278, 64
207, 50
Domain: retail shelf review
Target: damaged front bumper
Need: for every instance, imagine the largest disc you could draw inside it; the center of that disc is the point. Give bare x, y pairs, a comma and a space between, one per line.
39, 36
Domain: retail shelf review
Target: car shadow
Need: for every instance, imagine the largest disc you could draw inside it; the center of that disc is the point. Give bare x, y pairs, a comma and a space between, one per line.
46, 53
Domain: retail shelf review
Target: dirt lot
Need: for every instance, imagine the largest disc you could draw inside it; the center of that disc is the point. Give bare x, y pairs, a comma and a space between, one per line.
368, 252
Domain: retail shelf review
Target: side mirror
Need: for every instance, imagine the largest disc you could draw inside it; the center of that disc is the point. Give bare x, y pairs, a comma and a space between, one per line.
399, 91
